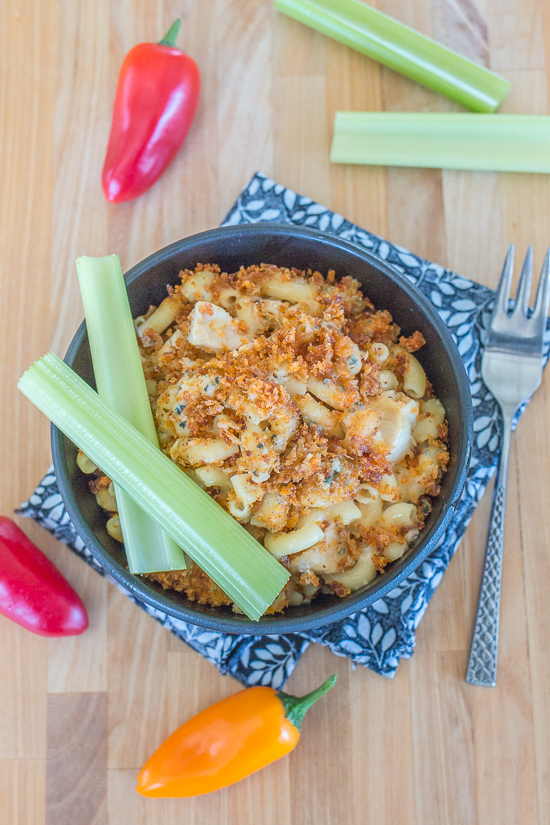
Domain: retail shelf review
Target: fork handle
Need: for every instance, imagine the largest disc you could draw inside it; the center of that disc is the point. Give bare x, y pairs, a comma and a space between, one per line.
482, 666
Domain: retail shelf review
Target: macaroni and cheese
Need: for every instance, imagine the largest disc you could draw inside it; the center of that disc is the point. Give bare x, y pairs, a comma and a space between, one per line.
299, 408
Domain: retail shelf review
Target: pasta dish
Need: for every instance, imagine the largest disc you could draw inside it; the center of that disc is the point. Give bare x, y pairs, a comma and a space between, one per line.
299, 407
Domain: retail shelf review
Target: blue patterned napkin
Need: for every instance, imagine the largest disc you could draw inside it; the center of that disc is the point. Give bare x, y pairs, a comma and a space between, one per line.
379, 636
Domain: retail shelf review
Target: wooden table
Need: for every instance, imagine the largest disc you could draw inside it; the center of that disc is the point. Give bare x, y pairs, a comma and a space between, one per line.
79, 716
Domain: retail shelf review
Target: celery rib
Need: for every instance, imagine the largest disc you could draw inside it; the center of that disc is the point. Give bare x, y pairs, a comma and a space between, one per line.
121, 383
499, 143
238, 564
403, 49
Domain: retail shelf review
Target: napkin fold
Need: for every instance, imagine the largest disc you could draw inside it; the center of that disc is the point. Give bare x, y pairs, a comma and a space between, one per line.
382, 634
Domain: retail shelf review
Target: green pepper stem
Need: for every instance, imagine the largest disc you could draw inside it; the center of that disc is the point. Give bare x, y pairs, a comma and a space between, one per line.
171, 35
296, 707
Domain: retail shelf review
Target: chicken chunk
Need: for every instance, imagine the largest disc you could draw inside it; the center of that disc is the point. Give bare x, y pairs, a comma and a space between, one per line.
213, 329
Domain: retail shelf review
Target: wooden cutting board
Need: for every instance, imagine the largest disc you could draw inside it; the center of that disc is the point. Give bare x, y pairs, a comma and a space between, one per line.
79, 716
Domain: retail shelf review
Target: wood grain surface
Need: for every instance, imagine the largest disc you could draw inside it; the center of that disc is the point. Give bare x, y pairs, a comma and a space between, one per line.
79, 716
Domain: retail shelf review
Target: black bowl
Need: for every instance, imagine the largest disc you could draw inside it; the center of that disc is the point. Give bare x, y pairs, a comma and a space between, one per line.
231, 247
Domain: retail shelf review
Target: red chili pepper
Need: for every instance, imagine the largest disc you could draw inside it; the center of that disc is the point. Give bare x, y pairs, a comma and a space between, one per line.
33, 592
156, 99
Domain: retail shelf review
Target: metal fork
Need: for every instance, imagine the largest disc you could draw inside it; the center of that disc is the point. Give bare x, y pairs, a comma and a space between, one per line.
511, 368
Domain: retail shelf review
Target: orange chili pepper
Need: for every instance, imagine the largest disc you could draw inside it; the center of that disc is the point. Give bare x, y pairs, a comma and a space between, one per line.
227, 741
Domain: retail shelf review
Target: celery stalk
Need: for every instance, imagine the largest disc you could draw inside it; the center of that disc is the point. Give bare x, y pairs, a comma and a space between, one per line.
121, 383
500, 143
211, 537
403, 49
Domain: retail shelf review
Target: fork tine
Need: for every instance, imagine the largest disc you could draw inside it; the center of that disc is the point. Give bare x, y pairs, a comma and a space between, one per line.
524, 288
540, 313
504, 285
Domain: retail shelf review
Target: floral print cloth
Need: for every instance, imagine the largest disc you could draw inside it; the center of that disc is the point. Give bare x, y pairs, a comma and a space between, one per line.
382, 634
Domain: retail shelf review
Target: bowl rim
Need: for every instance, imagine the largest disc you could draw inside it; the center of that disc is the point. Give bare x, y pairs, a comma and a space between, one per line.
356, 601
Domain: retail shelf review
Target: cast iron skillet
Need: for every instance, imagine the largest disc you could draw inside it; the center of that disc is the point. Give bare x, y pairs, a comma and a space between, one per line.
231, 247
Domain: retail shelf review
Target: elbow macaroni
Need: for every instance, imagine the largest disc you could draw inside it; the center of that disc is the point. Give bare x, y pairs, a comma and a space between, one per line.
285, 544
414, 378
